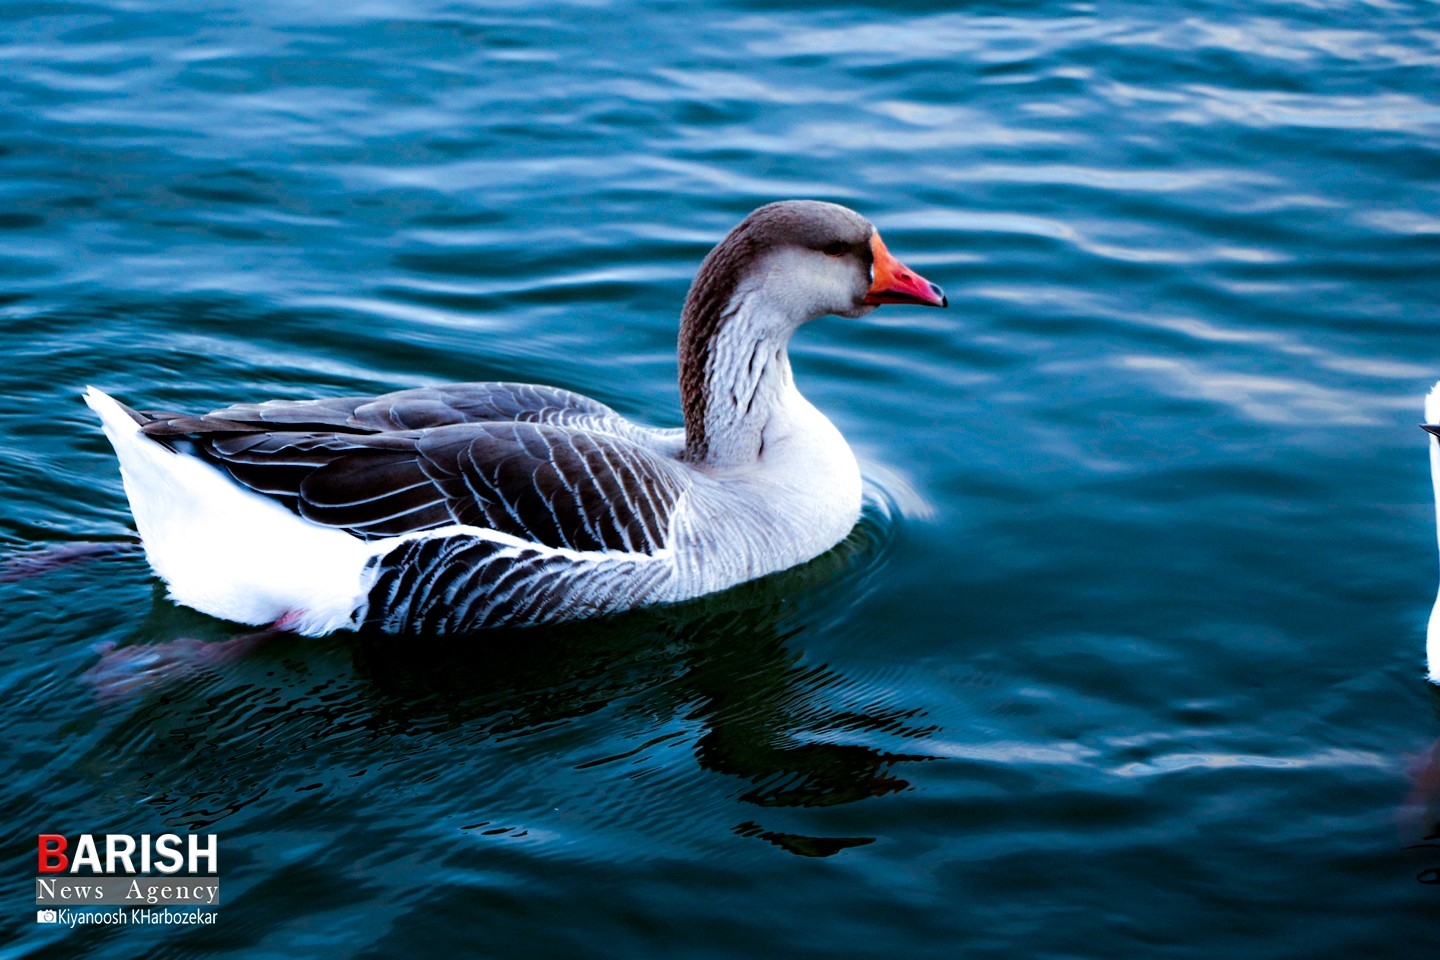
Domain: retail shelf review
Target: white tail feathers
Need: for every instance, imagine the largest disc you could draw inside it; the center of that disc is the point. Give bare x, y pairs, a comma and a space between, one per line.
227, 551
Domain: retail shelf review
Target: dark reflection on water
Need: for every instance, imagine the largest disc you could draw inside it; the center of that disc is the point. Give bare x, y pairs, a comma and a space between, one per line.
730, 663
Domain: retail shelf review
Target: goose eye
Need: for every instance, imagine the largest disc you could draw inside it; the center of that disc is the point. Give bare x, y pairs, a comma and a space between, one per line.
833, 249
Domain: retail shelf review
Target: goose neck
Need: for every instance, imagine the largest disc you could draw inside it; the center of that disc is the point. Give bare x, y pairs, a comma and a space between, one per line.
737, 381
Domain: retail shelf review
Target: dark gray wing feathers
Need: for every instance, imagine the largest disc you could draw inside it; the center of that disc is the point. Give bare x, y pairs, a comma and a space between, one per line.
544, 465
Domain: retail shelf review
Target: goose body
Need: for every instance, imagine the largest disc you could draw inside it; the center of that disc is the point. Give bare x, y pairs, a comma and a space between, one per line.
473, 505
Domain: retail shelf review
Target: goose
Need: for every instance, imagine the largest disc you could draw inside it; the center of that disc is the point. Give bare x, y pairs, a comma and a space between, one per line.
457, 508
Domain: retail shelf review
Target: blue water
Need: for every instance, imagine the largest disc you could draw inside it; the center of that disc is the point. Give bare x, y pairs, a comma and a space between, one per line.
1125, 658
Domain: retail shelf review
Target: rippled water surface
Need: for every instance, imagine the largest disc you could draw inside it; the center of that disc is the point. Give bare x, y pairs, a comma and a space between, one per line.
1125, 658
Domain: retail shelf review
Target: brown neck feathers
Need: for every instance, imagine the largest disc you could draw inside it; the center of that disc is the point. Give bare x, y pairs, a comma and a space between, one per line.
711, 296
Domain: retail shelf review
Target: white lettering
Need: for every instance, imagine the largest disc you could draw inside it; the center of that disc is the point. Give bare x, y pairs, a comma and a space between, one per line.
73, 918
50, 889
168, 858
210, 854
119, 846
162, 853
147, 915
86, 854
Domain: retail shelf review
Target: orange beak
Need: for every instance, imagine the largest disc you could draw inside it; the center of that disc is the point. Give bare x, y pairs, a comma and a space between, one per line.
897, 283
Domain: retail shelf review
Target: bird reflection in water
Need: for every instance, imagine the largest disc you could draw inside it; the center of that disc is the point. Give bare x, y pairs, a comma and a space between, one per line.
733, 665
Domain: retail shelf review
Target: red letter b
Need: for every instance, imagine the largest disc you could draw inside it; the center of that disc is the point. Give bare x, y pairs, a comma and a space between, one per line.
52, 853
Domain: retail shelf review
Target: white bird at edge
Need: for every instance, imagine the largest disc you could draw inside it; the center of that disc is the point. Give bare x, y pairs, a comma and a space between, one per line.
1432, 425
456, 508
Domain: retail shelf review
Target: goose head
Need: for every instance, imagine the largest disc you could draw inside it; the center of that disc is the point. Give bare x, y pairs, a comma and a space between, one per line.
800, 259
782, 266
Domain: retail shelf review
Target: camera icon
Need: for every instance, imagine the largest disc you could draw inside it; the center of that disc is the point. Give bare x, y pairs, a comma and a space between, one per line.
46, 916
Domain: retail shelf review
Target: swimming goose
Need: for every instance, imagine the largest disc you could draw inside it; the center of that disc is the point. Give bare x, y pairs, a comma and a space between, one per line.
456, 508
